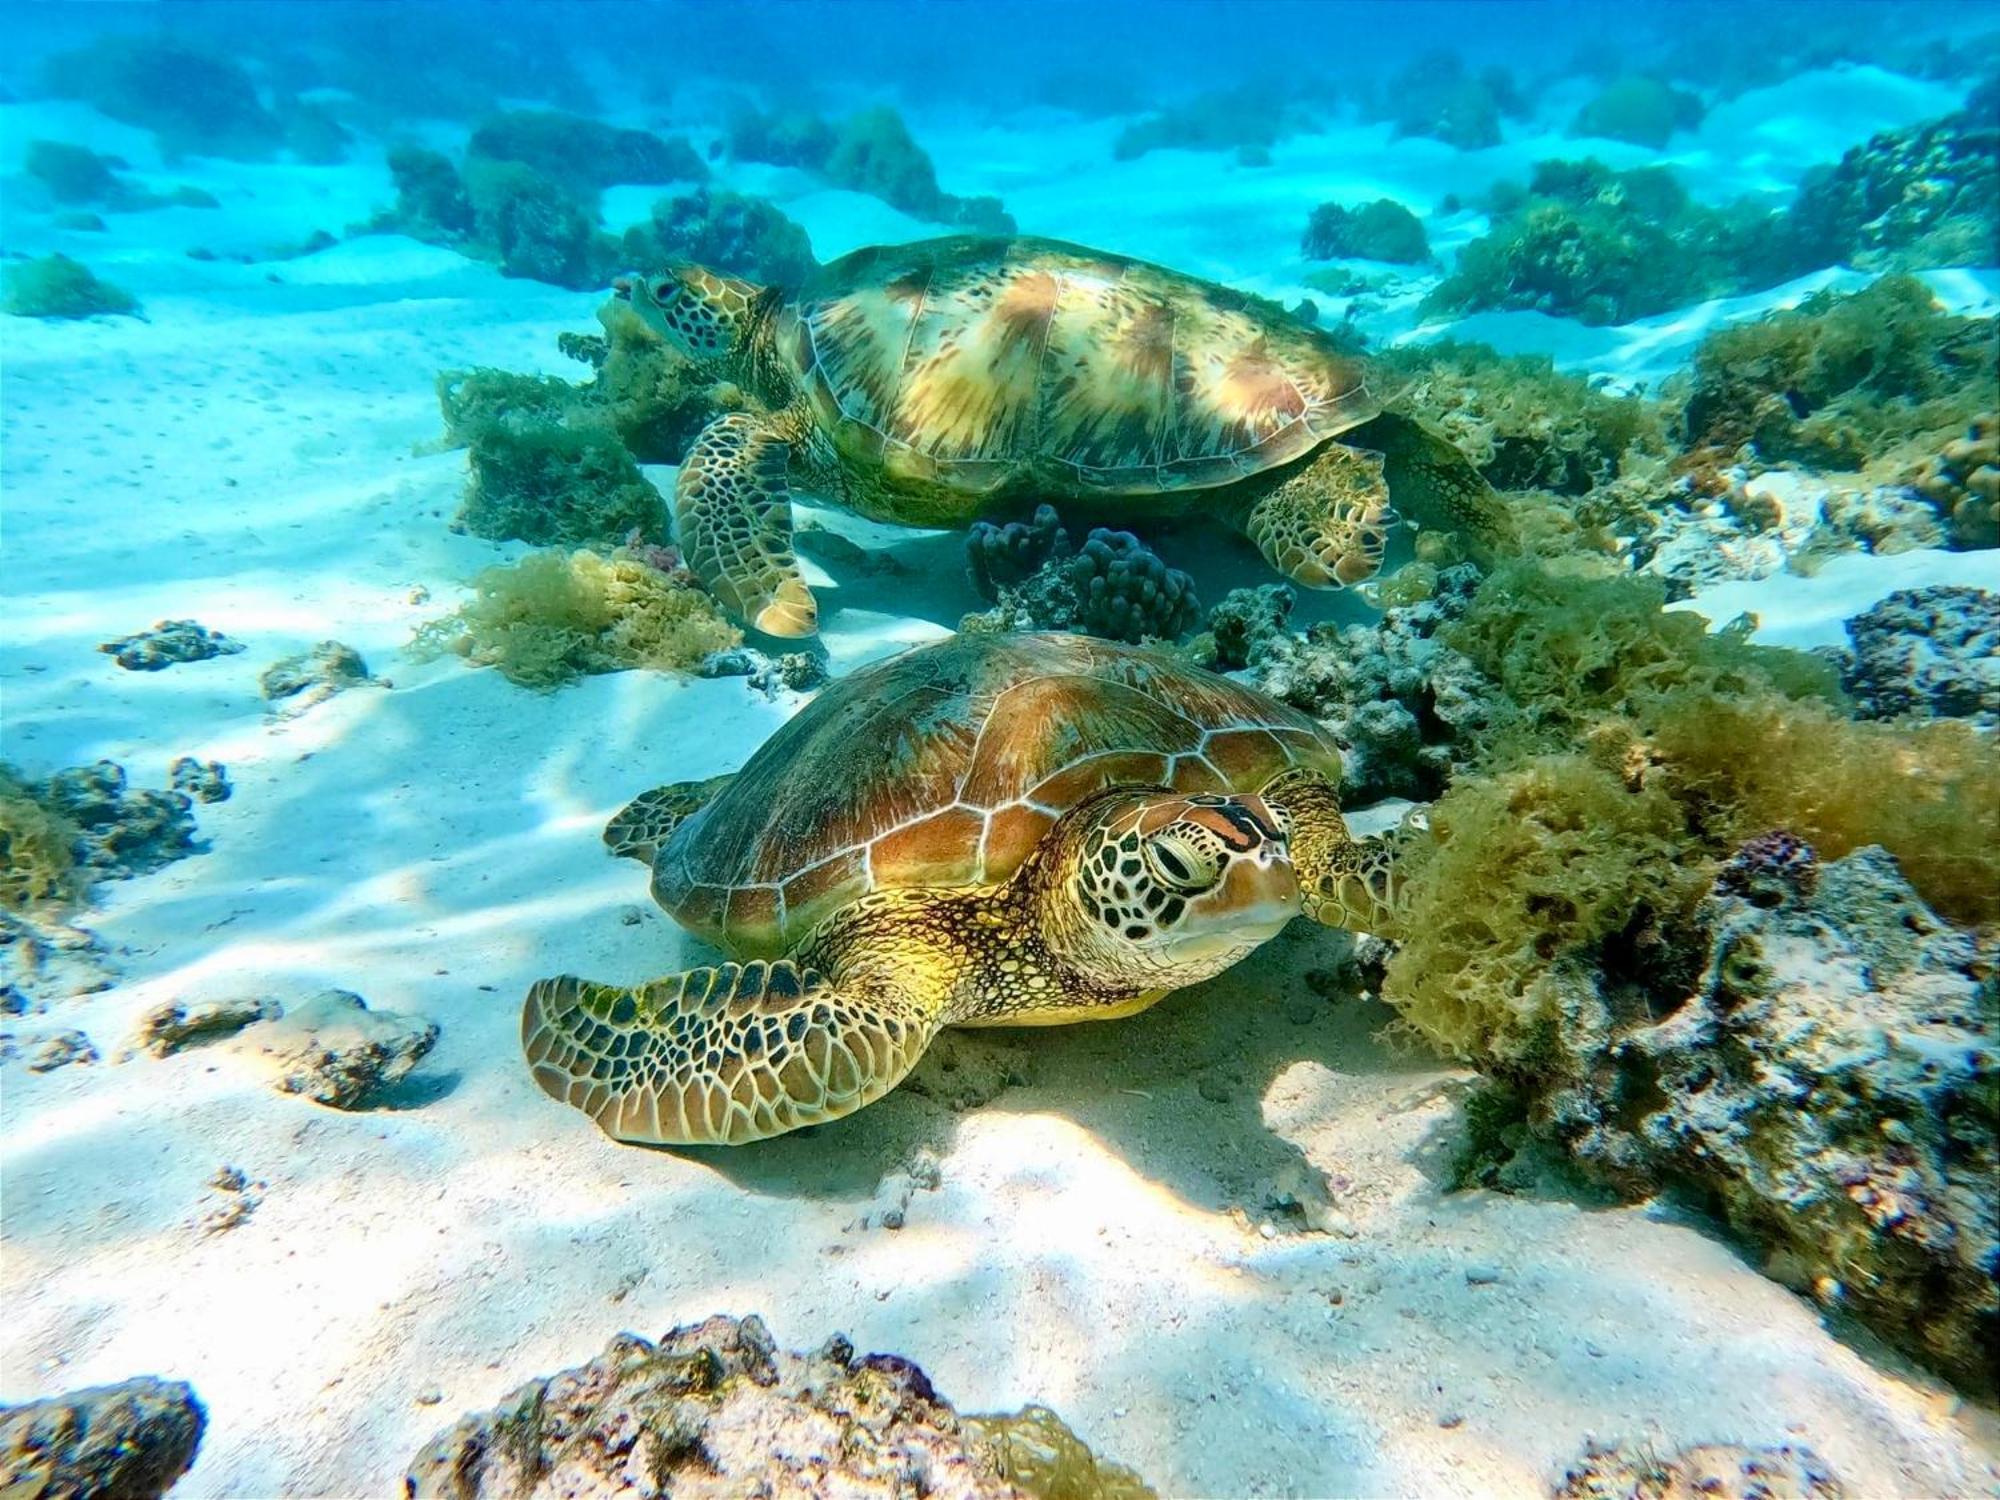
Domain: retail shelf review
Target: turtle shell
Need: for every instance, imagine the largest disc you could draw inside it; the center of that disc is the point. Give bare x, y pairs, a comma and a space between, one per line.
976, 364
944, 766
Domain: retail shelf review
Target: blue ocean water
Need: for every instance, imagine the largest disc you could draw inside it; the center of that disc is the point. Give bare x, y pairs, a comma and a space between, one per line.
1426, 570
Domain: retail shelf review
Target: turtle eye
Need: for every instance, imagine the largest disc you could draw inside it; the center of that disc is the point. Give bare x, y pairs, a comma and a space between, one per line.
665, 289
1181, 864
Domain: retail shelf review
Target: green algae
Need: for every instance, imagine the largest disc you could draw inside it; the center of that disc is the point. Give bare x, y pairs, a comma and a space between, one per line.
54, 286
37, 848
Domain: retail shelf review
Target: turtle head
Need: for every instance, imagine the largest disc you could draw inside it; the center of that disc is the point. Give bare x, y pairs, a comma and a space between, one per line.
706, 317
1159, 889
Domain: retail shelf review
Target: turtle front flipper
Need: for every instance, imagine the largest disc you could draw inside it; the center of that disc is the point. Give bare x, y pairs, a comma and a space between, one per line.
733, 518
718, 1056
1343, 881
1434, 484
1325, 525
642, 825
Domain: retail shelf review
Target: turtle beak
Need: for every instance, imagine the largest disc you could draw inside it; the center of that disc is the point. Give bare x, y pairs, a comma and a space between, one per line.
621, 288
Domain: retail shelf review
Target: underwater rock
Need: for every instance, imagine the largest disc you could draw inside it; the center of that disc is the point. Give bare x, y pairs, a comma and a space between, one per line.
1826, 1083
1245, 627
1112, 586
43, 960
128, 1441
733, 233
60, 1049
169, 642
196, 101
313, 676
431, 201
1708, 1471
239, 1199
1382, 230
121, 832
1404, 705
716, 1409
174, 1024
1962, 481
54, 286
203, 780
1880, 518
870, 152
793, 671
335, 1050
1931, 651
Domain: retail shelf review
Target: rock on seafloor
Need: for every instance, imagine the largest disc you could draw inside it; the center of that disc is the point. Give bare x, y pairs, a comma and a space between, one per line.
717, 1410
1929, 651
1710, 1471
334, 1049
129, 1441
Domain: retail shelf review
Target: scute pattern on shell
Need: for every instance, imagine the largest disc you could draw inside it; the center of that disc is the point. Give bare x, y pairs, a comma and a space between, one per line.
975, 362
945, 765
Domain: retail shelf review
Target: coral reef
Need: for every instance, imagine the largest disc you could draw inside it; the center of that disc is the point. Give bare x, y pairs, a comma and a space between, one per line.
1112, 586
335, 1050
575, 149
1244, 628
168, 642
1641, 110
1381, 230
1842, 380
203, 780
173, 1025
54, 286
870, 152
1708, 1471
194, 101
1962, 482
128, 1441
431, 201
733, 233
1932, 651
544, 467
1248, 118
1910, 199
535, 226
1435, 96
109, 832
308, 677
555, 616
716, 1409
1604, 247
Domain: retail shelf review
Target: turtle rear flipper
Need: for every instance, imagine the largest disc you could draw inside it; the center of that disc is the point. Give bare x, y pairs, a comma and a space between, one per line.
718, 1056
645, 823
733, 519
1433, 483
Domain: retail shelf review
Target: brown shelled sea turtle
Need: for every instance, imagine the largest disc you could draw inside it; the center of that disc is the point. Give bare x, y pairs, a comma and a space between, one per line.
996, 830
955, 379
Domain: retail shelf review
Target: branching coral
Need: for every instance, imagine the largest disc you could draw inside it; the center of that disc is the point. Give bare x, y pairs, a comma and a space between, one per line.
554, 616
54, 286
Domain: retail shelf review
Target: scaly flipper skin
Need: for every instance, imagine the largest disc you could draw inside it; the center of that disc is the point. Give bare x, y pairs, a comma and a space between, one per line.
733, 518
1344, 881
1325, 525
646, 822
719, 1056
1433, 484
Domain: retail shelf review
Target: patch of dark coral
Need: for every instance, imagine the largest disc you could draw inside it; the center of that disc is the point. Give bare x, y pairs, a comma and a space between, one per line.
1112, 586
1931, 652
167, 643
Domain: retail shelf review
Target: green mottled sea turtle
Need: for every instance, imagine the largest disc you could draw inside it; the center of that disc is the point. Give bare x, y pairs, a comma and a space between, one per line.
996, 830
953, 379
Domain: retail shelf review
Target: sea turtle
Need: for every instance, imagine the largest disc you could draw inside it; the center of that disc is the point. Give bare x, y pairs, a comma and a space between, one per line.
994, 830
940, 382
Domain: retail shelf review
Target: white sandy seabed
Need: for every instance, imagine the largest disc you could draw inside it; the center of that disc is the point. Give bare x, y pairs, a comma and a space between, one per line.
254, 455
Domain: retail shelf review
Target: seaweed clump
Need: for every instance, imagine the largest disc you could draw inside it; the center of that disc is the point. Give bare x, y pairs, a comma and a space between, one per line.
1584, 241
37, 847
1841, 381
84, 824
1381, 230
54, 286
546, 467
556, 616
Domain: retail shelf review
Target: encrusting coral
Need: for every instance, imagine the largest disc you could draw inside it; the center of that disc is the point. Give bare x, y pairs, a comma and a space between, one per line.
717, 1409
555, 616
